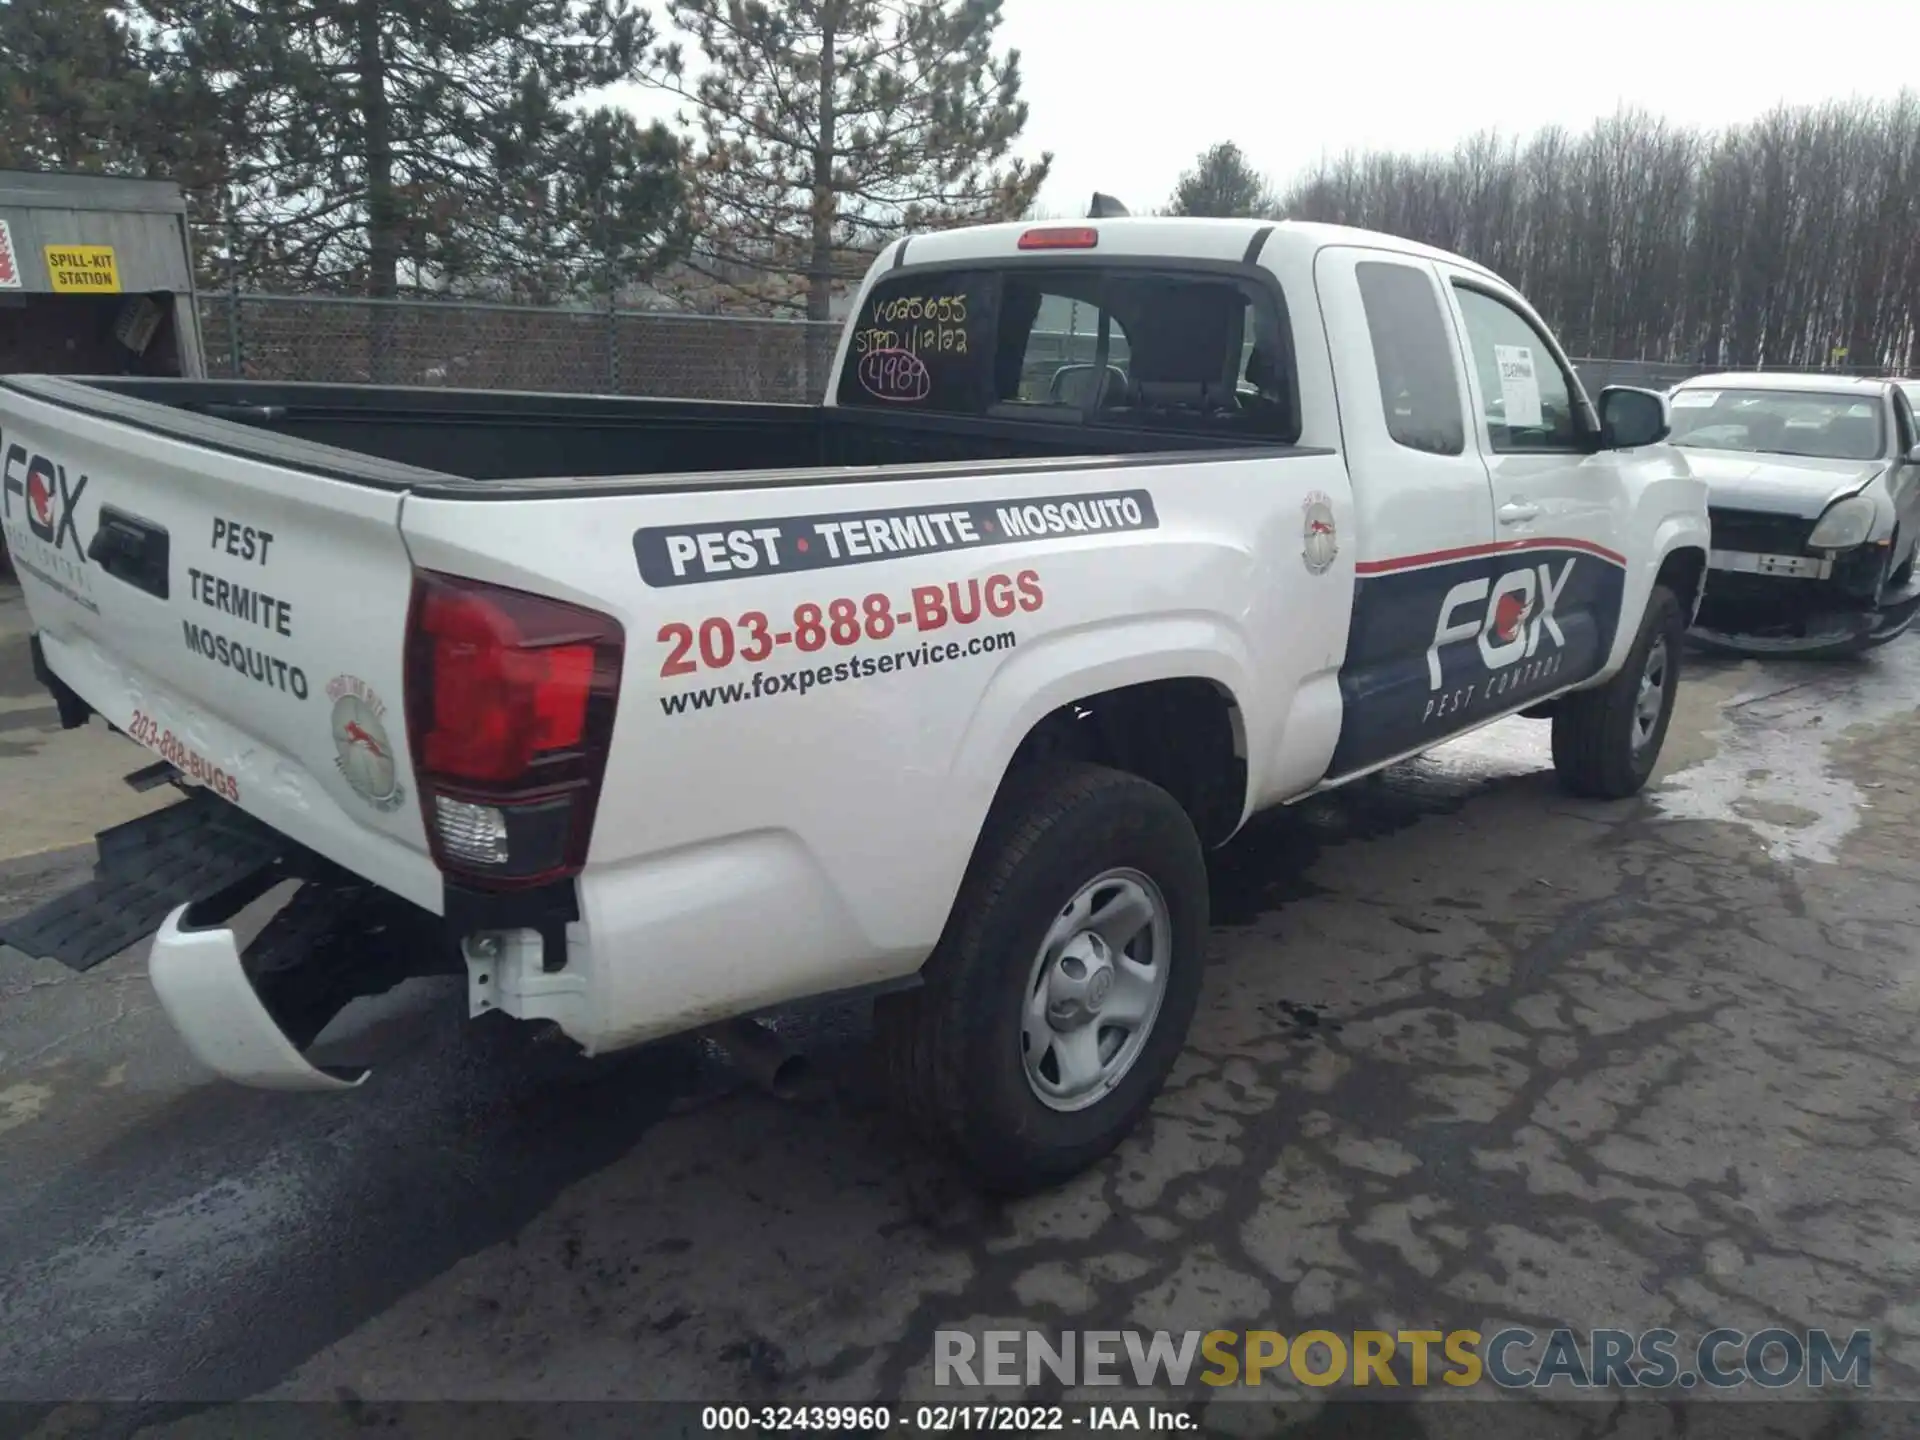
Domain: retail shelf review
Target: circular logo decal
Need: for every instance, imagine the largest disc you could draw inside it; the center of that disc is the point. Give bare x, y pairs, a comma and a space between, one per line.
1319, 544
1099, 987
361, 748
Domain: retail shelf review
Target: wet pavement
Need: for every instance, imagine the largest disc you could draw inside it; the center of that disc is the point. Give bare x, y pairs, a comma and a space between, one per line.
1469, 1054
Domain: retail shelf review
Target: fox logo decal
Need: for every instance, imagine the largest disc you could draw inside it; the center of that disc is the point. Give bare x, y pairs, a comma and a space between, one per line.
1517, 615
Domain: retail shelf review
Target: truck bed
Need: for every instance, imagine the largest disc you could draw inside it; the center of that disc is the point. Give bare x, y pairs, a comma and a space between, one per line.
515, 440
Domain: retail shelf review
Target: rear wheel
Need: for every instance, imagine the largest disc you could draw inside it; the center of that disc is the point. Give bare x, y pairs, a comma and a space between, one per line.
1061, 994
1607, 740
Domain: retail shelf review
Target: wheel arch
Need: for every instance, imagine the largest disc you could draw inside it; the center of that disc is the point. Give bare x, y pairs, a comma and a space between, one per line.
1683, 570
1185, 733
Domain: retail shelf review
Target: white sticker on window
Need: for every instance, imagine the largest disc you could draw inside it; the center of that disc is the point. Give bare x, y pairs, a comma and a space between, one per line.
1519, 388
1694, 400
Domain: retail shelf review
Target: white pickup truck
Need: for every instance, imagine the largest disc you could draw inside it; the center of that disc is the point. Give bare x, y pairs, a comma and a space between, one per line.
649, 713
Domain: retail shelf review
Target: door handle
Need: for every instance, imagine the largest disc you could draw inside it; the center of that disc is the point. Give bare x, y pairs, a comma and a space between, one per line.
1517, 513
131, 550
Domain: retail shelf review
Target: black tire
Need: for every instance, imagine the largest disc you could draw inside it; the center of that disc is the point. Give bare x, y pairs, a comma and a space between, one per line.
951, 1050
1594, 731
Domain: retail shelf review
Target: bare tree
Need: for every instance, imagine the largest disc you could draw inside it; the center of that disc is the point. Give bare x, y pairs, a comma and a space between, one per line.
1790, 241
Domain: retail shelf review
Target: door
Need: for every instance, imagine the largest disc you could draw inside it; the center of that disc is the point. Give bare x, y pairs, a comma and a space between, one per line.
1903, 482
1423, 508
1560, 505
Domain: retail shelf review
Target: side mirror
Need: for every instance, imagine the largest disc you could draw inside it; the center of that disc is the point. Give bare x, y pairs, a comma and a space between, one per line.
1631, 417
1913, 456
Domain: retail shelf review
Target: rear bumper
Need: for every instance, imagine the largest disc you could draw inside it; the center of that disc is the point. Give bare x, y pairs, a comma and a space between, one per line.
251, 1012
732, 930
205, 990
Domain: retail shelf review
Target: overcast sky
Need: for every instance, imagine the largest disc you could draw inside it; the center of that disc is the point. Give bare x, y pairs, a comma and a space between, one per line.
1127, 92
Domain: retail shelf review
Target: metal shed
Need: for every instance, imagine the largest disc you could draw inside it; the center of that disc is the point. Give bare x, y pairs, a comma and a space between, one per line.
96, 276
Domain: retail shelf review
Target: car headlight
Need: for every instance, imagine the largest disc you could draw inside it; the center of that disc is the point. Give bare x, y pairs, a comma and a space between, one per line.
1847, 523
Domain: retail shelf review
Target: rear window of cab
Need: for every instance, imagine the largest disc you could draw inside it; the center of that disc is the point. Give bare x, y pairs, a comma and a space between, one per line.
1091, 344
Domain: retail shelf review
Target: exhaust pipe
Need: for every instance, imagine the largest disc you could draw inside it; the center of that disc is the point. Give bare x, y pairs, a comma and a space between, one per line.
759, 1052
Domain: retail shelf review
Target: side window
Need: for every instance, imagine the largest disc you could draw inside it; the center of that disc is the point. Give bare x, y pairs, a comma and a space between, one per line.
1060, 365
1413, 351
1528, 397
1903, 426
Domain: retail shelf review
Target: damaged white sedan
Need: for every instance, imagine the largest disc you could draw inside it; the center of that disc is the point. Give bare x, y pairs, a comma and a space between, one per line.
1814, 486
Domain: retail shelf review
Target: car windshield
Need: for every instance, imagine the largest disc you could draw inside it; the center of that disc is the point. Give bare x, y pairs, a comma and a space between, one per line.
1778, 422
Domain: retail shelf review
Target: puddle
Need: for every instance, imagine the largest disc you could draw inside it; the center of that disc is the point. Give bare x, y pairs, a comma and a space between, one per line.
1771, 767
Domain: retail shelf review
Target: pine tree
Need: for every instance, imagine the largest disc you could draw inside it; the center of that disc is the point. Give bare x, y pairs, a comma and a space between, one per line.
610, 209
74, 91
377, 146
829, 127
1222, 183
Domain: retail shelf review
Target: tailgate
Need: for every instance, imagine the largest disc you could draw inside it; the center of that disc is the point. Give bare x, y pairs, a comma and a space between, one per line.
244, 618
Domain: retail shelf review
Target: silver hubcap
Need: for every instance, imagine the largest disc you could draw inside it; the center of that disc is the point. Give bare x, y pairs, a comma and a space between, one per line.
1652, 698
1095, 988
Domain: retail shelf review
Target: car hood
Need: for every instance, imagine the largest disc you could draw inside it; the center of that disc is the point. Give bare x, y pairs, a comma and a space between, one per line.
1799, 485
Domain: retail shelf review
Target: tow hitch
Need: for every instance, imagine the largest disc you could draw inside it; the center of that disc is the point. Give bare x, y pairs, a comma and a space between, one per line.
182, 874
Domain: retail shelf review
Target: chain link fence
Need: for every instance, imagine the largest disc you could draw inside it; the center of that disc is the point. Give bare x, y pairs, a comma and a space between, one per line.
473, 345
515, 347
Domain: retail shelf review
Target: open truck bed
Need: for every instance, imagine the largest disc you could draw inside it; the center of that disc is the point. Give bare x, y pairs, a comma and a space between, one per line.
525, 442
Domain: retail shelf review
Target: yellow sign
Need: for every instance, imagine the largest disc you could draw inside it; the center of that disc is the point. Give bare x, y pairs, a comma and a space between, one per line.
83, 270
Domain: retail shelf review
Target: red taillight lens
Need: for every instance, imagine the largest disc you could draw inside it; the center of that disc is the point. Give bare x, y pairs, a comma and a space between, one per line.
510, 700
501, 693
1054, 237
560, 697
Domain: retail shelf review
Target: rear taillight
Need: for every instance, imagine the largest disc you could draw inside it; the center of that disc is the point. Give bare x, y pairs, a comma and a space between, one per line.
510, 701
